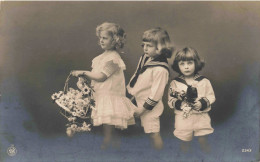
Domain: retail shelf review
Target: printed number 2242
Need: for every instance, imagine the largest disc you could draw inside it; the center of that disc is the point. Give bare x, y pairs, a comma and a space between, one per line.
246, 150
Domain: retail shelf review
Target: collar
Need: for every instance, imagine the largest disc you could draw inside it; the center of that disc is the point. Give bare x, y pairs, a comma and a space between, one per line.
181, 78
160, 60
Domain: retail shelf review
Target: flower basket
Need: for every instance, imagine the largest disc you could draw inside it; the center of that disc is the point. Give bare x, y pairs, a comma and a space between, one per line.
76, 105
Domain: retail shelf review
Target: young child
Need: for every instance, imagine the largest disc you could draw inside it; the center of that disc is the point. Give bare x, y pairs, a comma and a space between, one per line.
113, 109
148, 83
191, 95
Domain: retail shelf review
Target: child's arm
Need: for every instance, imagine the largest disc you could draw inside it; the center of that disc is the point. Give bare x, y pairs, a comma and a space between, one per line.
209, 98
109, 68
173, 100
159, 81
97, 76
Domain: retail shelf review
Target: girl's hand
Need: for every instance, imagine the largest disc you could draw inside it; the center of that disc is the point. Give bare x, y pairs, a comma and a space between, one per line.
197, 105
77, 73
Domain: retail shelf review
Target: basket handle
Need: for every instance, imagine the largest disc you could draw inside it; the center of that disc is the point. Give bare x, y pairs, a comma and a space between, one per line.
66, 87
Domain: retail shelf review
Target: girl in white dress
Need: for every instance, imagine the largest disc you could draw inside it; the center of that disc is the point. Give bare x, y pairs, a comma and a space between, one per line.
113, 109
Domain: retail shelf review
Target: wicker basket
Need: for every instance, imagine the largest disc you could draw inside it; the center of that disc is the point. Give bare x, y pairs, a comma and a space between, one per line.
80, 114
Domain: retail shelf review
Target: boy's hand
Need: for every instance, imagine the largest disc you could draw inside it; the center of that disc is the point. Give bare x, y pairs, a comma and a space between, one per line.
183, 105
139, 111
197, 105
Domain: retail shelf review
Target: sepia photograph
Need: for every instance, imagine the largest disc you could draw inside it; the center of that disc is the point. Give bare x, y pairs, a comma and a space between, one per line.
126, 81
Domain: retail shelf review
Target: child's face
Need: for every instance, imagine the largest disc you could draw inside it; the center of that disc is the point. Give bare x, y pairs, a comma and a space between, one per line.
150, 49
187, 68
105, 40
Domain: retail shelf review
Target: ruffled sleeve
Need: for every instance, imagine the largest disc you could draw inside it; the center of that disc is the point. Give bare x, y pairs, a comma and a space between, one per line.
116, 59
108, 63
109, 68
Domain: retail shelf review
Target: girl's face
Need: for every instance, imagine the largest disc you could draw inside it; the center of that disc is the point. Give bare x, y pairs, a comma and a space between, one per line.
187, 68
105, 40
150, 49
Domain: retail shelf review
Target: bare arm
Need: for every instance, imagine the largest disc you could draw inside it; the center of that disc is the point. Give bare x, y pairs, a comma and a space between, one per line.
97, 76
108, 69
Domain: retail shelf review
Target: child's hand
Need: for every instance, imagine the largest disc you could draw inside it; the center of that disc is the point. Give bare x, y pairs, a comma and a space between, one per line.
186, 109
77, 73
183, 105
197, 105
139, 111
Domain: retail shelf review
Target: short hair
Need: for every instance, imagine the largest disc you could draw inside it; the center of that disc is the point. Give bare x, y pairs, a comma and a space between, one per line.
117, 33
161, 39
187, 54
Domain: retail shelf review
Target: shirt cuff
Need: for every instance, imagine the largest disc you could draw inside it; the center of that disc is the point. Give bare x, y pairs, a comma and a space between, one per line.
150, 104
204, 103
178, 105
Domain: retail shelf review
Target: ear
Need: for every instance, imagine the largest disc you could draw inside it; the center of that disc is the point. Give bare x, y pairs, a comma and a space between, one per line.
158, 48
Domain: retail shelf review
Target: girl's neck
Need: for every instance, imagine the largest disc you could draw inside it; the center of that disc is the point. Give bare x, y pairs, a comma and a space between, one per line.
189, 79
109, 50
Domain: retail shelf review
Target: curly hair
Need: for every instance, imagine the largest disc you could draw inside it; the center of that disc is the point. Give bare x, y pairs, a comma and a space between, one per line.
117, 33
187, 54
161, 39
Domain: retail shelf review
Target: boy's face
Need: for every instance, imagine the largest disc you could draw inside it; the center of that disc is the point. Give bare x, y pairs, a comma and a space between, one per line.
187, 68
105, 40
150, 49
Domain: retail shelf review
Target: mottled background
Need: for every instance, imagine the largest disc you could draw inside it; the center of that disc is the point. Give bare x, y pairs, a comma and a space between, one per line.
41, 42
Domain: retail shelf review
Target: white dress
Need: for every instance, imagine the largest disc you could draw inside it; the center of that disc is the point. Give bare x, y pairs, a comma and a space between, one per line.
112, 106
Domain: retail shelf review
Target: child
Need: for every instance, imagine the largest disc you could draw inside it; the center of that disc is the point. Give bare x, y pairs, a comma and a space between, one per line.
113, 109
148, 83
191, 95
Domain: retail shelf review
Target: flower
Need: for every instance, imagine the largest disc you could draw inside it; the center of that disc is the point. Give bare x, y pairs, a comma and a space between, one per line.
86, 91
70, 132
72, 119
187, 97
81, 83
57, 95
75, 104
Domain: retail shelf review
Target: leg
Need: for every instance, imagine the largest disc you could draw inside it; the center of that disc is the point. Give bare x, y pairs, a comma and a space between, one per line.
185, 146
204, 144
108, 132
116, 139
157, 140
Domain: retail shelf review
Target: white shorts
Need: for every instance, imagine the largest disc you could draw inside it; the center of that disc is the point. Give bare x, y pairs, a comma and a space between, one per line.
150, 119
199, 124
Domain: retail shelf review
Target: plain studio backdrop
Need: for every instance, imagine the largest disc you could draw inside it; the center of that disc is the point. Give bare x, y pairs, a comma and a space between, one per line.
41, 42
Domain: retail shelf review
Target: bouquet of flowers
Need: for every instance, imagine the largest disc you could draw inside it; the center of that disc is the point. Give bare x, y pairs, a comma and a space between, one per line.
76, 105
187, 97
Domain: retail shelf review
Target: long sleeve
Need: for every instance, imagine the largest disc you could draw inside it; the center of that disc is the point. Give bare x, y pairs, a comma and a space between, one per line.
160, 78
173, 101
209, 98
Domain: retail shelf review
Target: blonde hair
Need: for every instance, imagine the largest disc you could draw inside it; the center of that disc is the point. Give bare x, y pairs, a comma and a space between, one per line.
116, 32
161, 39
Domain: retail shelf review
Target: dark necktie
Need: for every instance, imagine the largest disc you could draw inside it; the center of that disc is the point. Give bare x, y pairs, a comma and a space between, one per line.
139, 70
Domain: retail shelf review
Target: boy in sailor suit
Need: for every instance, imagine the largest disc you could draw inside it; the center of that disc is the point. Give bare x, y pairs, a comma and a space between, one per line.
148, 83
